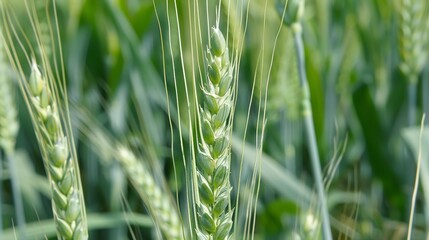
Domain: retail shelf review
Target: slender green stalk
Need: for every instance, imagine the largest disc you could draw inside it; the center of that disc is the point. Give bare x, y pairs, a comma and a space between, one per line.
292, 12
309, 129
213, 162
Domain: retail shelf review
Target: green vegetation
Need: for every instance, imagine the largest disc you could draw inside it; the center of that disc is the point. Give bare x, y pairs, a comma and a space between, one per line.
228, 119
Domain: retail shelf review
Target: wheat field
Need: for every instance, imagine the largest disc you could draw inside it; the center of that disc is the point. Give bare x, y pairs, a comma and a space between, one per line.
214, 120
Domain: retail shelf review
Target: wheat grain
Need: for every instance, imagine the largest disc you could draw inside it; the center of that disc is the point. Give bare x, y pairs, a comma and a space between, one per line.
213, 163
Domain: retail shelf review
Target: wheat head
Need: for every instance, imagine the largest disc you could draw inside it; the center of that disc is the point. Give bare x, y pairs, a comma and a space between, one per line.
412, 37
160, 205
163, 212
67, 201
214, 151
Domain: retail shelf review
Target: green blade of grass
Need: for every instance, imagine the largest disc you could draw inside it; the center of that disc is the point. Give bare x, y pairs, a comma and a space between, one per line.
46, 228
274, 174
374, 133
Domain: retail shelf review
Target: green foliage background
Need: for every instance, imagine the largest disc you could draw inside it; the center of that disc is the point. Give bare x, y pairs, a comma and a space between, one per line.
113, 56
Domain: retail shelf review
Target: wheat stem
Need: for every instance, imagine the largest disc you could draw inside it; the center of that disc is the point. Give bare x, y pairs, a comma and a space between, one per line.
309, 129
292, 12
213, 162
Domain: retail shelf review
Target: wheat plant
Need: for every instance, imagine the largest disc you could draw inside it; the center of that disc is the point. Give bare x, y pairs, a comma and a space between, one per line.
51, 122
196, 88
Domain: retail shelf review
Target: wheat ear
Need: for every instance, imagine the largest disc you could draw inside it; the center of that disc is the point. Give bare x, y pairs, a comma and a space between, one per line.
412, 36
157, 199
163, 212
213, 163
412, 43
67, 201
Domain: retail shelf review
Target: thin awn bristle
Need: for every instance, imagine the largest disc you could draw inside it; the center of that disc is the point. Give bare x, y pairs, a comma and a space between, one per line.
44, 29
213, 162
